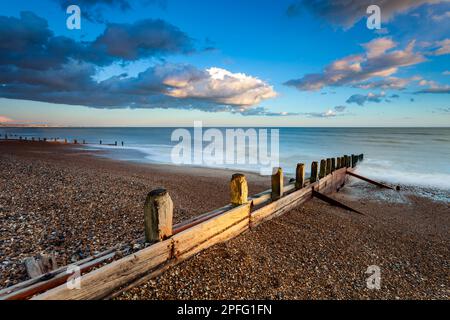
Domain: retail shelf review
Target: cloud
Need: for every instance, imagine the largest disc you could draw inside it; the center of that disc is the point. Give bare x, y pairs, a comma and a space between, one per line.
345, 13
144, 38
93, 9
221, 86
433, 87
440, 110
387, 83
446, 73
340, 108
379, 61
361, 99
27, 42
260, 111
4, 119
160, 86
326, 114
440, 17
443, 47
39, 66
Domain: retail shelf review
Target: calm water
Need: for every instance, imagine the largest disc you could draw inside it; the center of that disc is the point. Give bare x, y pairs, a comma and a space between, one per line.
412, 156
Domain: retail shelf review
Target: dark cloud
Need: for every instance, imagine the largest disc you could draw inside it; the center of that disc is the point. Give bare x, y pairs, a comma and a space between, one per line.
27, 42
143, 39
340, 108
93, 10
361, 99
346, 13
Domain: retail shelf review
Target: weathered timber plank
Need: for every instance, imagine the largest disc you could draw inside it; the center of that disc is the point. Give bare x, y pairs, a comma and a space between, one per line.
103, 281
192, 237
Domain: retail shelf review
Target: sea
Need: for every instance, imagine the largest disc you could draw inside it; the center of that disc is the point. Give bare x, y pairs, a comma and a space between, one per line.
406, 156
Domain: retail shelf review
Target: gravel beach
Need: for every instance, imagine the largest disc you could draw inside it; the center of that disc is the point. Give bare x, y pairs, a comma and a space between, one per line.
64, 200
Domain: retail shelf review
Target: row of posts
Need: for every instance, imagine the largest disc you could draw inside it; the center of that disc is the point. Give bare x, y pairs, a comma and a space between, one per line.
239, 189
158, 208
75, 141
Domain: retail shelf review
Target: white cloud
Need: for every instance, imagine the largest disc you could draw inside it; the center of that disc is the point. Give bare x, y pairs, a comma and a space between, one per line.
222, 86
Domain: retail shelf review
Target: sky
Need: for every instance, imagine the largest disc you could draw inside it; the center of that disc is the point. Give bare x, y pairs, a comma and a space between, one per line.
226, 63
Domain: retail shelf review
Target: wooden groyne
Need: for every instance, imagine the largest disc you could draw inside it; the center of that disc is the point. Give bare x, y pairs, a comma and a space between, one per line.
168, 244
16, 137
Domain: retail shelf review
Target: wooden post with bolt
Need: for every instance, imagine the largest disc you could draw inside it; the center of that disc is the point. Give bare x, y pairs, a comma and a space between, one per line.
300, 176
314, 172
158, 215
238, 189
277, 183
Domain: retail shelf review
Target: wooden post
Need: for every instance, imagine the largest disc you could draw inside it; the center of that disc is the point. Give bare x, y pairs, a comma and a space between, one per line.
300, 176
45, 139
84, 141
314, 171
277, 183
346, 161
158, 213
328, 168
338, 163
115, 143
42, 264
353, 161
238, 189
100, 141
75, 141
122, 143
65, 140
323, 165
333, 164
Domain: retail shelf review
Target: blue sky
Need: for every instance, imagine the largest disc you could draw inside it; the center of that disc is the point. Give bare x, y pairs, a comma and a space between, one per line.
246, 63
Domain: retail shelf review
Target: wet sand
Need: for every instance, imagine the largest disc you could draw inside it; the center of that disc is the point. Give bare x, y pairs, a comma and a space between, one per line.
55, 198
